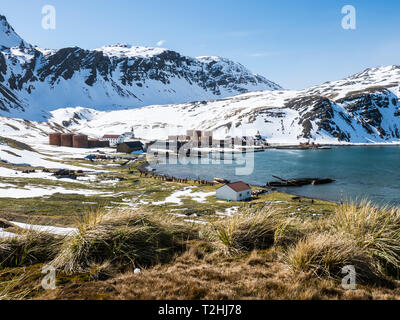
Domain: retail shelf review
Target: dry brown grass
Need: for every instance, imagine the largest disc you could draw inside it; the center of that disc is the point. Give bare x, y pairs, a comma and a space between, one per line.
375, 231
29, 248
122, 239
200, 275
325, 255
270, 256
251, 230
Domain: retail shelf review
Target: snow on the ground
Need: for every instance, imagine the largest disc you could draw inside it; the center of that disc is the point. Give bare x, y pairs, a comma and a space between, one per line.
201, 196
196, 221
48, 229
25, 131
30, 158
187, 193
5, 234
66, 152
33, 192
129, 51
229, 212
10, 173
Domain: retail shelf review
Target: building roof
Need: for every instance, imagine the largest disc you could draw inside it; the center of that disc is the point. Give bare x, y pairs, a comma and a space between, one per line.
238, 186
111, 136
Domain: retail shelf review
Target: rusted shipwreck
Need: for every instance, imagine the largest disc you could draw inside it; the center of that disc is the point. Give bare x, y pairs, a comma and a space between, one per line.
298, 182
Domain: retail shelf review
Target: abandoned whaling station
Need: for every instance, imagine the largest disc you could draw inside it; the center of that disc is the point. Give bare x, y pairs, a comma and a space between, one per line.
196, 143
75, 141
125, 143
202, 144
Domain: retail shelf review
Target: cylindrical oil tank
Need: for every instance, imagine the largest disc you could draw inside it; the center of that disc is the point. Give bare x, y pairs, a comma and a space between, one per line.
104, 144
55, 139
93, 143
66, 139
80, 141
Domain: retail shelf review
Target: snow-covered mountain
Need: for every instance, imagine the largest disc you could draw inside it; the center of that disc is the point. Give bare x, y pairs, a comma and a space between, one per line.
363, 108
34, 81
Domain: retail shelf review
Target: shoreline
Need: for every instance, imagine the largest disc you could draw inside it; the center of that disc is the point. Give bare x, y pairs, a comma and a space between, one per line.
288, 191
285, 191
157, 174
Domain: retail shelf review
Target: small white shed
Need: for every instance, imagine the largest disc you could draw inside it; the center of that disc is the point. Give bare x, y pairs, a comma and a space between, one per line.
235, 191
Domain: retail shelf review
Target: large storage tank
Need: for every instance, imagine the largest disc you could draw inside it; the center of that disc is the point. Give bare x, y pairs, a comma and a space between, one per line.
80, 141
66, 139
55, 139
104, 144
94, 143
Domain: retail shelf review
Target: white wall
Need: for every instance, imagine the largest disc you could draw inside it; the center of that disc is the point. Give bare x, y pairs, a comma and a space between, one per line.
226, 193
243, 195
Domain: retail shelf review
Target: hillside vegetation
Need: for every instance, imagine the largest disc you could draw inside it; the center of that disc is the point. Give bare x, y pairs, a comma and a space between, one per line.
257, 254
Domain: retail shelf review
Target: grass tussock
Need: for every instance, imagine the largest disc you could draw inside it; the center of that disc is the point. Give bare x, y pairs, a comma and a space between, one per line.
29, 248
360, 235
123, 239
197, 259
375, 231
325, 255
252, 230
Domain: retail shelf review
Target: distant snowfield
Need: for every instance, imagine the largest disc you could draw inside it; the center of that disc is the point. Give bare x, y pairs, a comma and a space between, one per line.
30, 158
66, 152
15, 156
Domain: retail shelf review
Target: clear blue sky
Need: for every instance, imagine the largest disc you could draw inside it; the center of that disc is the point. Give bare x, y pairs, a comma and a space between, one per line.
296, 43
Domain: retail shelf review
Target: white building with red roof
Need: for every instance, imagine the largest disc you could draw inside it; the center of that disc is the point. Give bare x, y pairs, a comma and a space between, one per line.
235, 191
112, 138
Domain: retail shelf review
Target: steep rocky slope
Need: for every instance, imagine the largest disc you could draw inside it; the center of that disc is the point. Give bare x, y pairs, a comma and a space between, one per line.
363, 108
37, 83
34, 81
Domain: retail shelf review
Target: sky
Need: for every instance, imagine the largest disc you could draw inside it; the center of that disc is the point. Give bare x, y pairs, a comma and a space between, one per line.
295, 43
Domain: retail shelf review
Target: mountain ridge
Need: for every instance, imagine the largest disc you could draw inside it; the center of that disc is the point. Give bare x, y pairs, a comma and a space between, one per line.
110, 77
360, 109
363, 108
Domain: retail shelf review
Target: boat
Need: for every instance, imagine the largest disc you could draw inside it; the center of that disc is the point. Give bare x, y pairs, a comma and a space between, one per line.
322, 181
298, 182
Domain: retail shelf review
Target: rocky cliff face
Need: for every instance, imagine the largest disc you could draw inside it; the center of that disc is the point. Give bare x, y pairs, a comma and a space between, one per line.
363, 108
34, 81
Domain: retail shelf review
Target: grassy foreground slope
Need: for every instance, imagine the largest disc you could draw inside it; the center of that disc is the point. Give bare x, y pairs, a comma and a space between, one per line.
256, 254
186, 243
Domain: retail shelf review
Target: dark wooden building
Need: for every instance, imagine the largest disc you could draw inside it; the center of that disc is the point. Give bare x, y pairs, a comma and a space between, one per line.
129, 147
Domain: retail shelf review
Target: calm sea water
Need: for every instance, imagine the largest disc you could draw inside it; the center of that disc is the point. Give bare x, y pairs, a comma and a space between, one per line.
360, 172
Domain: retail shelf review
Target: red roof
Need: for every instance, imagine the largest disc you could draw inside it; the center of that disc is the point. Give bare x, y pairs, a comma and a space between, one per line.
111, 136
238, 186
